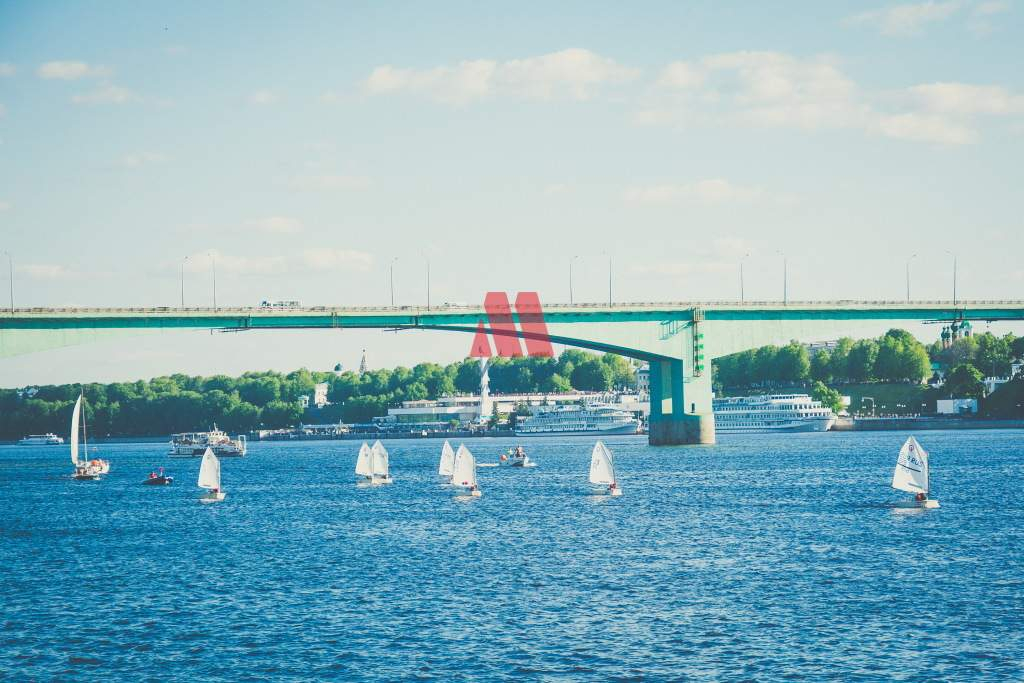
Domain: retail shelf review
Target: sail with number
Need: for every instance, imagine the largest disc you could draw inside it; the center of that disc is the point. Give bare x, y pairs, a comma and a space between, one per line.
75, 416
363, 467
379, 462
911, 474
464, 469
447, 465
602, 469
209, 471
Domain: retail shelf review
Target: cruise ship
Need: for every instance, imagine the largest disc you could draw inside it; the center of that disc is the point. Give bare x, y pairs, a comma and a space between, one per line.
194, 444
596, 419
41, 440
771, 413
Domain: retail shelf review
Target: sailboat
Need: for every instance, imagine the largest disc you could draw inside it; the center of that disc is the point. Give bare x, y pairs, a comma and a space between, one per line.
379, 465
209, 478
447, 464
363, 467
602, 469
84, 469
464, 471
911, 474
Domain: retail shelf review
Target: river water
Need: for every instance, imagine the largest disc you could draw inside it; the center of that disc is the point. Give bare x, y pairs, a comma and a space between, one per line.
766, 557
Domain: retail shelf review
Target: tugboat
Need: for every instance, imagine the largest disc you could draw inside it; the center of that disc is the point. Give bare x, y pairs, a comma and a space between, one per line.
158, 478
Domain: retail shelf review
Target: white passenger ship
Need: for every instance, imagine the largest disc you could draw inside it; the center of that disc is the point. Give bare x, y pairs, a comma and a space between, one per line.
41, 440
596, 419
771, 413
194, 444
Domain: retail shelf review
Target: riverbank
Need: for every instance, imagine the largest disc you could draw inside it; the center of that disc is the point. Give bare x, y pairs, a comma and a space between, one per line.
897, 424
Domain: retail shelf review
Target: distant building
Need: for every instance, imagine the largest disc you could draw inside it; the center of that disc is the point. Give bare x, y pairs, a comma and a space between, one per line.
320, 394
362, 363
956, 406
643, 378
304, 401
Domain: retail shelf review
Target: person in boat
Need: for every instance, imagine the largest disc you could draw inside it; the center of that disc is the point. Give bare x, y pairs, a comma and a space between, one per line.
612, 486
520, 453
152, 475
921, 497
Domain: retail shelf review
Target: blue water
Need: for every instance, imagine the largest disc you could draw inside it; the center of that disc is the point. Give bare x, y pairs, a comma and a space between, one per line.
763, 558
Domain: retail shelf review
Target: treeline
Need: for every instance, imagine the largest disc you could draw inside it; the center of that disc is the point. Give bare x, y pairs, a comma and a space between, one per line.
270, 400
894, 357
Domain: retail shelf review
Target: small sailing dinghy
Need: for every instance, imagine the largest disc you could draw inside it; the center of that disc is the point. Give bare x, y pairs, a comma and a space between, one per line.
602, 469
209, 478
447, 465
363, 467
464, 471
84, 469
911, 475
379, 464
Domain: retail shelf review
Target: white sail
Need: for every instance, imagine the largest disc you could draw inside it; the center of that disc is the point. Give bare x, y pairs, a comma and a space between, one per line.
209, 471
602, 469
911, 474
363, 467
379, 461
447, 465
74, 431
464, 469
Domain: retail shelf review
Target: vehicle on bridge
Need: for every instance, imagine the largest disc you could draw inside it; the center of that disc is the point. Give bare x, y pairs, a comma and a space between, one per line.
280, 303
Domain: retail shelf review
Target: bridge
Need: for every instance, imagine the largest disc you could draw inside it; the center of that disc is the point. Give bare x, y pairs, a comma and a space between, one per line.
677, 339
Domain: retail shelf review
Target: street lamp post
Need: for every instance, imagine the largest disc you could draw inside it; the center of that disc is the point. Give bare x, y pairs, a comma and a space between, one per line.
428, 282
10, 271
609, 280
213, 262
785, 279
571, 261
183, 281
742, 293
392, 277
912, 257
954, 275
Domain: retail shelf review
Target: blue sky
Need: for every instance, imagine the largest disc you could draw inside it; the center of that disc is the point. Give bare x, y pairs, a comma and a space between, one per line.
307, 146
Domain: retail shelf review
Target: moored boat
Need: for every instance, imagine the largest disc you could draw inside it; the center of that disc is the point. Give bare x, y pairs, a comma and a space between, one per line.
194, 444
47, 439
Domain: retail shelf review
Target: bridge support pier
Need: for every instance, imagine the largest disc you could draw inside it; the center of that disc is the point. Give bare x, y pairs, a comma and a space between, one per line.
680, 406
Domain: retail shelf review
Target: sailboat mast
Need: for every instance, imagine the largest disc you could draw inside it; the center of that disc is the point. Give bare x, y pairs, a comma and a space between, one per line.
85, 436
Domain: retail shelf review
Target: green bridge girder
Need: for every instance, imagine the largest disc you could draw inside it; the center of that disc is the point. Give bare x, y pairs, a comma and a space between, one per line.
664, 334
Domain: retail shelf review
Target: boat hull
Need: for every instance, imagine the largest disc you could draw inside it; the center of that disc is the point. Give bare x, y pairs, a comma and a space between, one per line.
213, 497
624, 429
812, 425
198, 453
159, 481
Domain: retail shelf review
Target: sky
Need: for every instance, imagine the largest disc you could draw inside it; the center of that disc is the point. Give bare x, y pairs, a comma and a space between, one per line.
309, 149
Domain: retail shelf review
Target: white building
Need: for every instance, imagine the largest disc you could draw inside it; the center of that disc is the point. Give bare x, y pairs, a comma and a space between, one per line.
320, 394
956, 406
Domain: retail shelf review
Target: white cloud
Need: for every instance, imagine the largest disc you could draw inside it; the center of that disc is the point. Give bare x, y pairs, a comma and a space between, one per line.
280, 225
778, 90
337, 259
43, 271
330, 182
139, 159
264, 97
7, 69
235, 264
574, 73
105, 94
70, 71
964, 98
926, 128
906, 19
713, 191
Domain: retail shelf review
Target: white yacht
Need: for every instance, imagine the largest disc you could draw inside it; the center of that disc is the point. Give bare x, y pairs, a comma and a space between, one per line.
194, 444
596, 419
771, 413
41, 440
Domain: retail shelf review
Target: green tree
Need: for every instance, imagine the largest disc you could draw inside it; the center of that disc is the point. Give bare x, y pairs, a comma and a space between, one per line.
964, 381
828, 397
592, 375
860, 363
792, 363
821, 366
467, 376
840, 357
